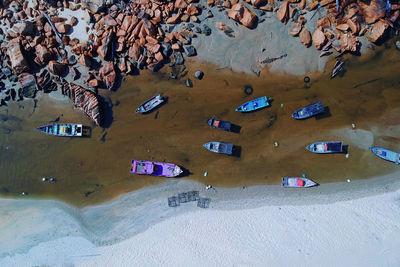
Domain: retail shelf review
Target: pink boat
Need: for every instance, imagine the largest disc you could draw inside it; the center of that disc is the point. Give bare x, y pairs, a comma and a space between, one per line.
155, 168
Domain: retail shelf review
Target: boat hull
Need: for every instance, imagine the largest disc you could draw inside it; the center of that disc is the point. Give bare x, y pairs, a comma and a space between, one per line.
153, 168
150, 104
297, 182
62, 129
254, 104
220, 124
326, 147
308, 111
386, 154
219, 147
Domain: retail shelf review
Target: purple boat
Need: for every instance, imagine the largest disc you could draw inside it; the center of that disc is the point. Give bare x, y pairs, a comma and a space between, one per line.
155, 168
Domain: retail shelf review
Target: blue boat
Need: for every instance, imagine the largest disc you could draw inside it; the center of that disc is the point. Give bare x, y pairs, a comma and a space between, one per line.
150, 104
220, 124
62, 129
219, 147
386, 154
308, 111
255, 104
326, 147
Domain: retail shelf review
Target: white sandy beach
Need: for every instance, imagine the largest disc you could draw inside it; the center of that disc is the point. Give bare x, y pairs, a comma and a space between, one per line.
339, 224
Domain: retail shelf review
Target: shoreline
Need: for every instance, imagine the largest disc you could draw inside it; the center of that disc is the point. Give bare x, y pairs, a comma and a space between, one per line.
39, 223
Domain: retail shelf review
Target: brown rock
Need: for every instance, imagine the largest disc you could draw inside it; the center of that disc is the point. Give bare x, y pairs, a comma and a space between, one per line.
326, 2
43, 55
349, 42
210, 2
185, 17
192, 10
283, 12
354, 26
57, 68
85, 60
372, 10
226, 4
324, 22
28, 84
85, 100
108, 75
122, 65
153, 48
159, 56
240, 13
176, 46
305, 37
18, 61
62, 27
258, 3
134, 52
342, 27
194, 19
73, 21
377, 31
93, 83
318, 38
175, 19
94, 5
180, 4
74, 41
302, 4
25, 28
110, 21
295, 29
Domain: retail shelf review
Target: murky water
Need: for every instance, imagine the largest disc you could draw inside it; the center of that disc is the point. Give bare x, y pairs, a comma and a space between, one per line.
96, 169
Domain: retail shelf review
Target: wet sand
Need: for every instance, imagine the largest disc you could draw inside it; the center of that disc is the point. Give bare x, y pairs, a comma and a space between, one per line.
96, 169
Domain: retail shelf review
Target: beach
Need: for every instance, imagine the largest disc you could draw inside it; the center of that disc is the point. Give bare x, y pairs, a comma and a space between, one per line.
354, 223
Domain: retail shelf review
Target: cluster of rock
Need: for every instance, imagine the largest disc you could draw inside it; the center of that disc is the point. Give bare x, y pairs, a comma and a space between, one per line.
124, 36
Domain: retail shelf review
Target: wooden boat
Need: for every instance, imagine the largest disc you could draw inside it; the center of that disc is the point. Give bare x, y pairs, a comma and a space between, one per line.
386, 154
219, 147
155, 168
255, 104
308, 111
326, 147
219, 124
62, 129
297, 182
150, 104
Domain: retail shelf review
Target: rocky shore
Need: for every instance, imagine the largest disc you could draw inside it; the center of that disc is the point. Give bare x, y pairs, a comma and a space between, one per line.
77, 47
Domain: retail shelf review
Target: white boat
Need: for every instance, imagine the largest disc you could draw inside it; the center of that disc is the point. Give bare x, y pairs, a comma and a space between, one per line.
297, 182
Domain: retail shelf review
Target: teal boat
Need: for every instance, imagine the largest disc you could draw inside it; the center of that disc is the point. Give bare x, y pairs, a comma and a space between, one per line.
386, 154
255, 104
62, 129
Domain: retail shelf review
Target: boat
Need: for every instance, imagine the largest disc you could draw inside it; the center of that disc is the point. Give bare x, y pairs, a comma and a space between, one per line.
297, 182
326, 147
219, 124
308, 111
386, 154
155, 168
62, 129
150, 104
255, 104
219, 147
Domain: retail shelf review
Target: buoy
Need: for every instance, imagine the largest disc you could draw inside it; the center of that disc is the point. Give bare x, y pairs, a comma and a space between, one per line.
281, 105
44, 179
205, 173
353, 125
276, 144
347, 155
248, 90
348, 180
307, 79
52, 179
208, 186
304, 175
24, 193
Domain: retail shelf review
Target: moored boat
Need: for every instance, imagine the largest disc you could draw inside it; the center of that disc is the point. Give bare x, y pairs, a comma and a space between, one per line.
326, 147
386, 154
62, 129
219, 147
150, 104
308, 111
297, 182
155, 168
219, 124
255, 104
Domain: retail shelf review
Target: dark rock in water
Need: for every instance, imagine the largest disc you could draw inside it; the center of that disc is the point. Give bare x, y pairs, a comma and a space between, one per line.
209, 14
178, 58
191, 25
190, 51
45, 81
28, 83
72, 60
166, 49
13, 78
206, 30
197, 29
13, 94
398, 45
199, 74
6, 71
189, 83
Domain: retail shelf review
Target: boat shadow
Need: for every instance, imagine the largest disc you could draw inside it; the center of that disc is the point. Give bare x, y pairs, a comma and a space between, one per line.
157, 107
325, 114
185, 172
235, 128
86, 132
236, 151
345, 149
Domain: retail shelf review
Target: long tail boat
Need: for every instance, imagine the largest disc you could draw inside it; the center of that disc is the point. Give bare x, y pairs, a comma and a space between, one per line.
155, 168
308, 111
297, 182
62, 129
386, 154
255, 104
326, 147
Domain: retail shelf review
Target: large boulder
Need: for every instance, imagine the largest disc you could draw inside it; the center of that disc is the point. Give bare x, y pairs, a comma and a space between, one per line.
243, 15
283, 12
318, 38
305, 37
377, 31
108, 75
18, 62
349, 42
57, 68
86, 100
43, 55
28, 84
372, 10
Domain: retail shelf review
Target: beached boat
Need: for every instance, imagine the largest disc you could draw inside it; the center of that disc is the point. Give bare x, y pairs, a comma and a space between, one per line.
308, 111
150, 104
155, 168
255, 104
219, 147
326, 147
62, 129
386, 154
219, 124
297, 182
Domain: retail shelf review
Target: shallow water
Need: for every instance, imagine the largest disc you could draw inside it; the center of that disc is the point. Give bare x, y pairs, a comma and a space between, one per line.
96, 169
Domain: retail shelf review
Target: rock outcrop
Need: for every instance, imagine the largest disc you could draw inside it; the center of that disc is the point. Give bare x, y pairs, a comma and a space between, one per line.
18, 62
86, 100
108, 75
28, 84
